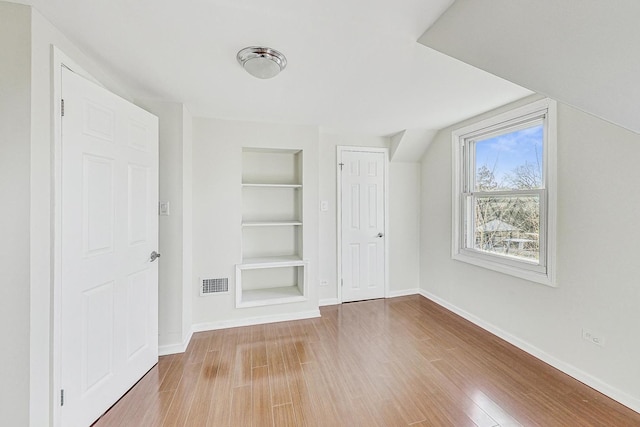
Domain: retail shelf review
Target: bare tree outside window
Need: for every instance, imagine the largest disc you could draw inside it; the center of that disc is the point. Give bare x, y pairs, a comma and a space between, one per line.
509, 224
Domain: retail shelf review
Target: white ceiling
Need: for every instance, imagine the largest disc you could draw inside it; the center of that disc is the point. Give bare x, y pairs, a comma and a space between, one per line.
353, 65
585, 53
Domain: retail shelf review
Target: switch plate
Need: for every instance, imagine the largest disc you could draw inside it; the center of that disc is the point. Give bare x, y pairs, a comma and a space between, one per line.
163, 208
324, 205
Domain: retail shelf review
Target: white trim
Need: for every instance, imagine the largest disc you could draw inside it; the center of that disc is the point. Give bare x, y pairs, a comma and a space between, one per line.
328, 301
58, 60
584, 377
403, 293
545, 274
165, 350
250, 321
339, 150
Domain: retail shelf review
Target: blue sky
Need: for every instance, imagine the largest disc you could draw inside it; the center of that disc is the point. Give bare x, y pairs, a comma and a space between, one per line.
503, 153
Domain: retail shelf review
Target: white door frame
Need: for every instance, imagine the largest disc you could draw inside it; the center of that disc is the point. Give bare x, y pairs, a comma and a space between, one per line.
339, 150
58, 60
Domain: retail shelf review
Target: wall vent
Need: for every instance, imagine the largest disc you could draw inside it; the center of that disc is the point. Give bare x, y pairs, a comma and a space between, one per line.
214, 286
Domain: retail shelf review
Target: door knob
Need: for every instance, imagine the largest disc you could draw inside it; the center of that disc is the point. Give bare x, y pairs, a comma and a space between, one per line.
379, 235
154, 255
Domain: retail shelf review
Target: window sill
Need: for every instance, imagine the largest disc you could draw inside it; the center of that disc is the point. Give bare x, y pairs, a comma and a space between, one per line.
543, 278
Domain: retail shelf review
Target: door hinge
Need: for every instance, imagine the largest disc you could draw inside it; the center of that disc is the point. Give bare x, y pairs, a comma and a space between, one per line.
62, 107
341, 282
62, 397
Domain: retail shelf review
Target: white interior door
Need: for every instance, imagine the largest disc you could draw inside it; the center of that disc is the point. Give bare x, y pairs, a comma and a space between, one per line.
362, 181
109, 285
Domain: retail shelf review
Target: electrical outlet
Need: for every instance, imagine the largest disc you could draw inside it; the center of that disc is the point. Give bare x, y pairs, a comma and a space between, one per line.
592, 337
324, 283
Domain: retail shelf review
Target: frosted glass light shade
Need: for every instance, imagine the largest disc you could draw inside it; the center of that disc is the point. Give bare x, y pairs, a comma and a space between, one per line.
262, 62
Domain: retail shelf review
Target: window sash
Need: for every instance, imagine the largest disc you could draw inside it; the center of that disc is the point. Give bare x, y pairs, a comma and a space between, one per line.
468, 227
469, 153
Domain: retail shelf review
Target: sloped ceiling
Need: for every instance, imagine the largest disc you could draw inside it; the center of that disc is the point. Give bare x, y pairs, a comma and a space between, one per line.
585, 53
352, 65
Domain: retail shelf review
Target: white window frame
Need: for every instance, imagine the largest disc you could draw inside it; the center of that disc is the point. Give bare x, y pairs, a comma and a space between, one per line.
544, 111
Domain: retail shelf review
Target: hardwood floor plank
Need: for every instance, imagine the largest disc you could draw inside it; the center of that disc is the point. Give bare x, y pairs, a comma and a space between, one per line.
324, 405
157, 410
198, 348
284, 416
261, 409
242, 367
174, 373
396, 362
203, 396
216, 341
220, 410
183, 397
363, 414
300, 398
258, 347
241, 407
279, 385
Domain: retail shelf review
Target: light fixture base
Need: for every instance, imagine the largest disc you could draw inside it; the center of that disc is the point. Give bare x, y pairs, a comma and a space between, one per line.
261, 62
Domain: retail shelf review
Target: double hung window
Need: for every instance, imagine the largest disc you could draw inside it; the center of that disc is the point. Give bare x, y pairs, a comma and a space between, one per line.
504, 192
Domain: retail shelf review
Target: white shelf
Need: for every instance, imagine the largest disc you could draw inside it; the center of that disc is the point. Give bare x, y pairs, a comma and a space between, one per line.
271, 185
270, 296
272, 269
270, 223
274, 261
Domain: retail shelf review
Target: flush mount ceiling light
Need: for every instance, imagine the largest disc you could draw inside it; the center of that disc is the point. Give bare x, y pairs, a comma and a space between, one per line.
262, 62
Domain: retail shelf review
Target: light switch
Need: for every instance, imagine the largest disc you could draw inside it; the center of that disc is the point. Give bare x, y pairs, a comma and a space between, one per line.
164, 208
324, 206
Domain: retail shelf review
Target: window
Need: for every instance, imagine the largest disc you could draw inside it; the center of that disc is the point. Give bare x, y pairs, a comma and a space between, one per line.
504, 192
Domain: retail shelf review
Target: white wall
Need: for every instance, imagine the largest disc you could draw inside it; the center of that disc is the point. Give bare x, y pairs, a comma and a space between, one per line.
403, 211
217, 213
404, 227
598, 270
174, 274
15, 105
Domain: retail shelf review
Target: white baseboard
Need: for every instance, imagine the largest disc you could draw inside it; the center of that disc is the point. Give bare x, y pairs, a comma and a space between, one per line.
392, 294
402, 293
249, 321
593, 382
167, 349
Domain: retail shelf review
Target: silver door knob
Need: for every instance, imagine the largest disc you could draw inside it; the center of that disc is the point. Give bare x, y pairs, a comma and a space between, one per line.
154, 255
379, 235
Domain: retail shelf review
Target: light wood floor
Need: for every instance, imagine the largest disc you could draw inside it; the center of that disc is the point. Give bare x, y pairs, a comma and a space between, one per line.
397, 362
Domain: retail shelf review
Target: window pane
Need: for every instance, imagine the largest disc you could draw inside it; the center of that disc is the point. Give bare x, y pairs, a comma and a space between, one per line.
510, 161
508, 225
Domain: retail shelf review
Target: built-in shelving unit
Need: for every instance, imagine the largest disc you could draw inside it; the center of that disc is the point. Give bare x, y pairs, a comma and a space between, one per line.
273, 270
